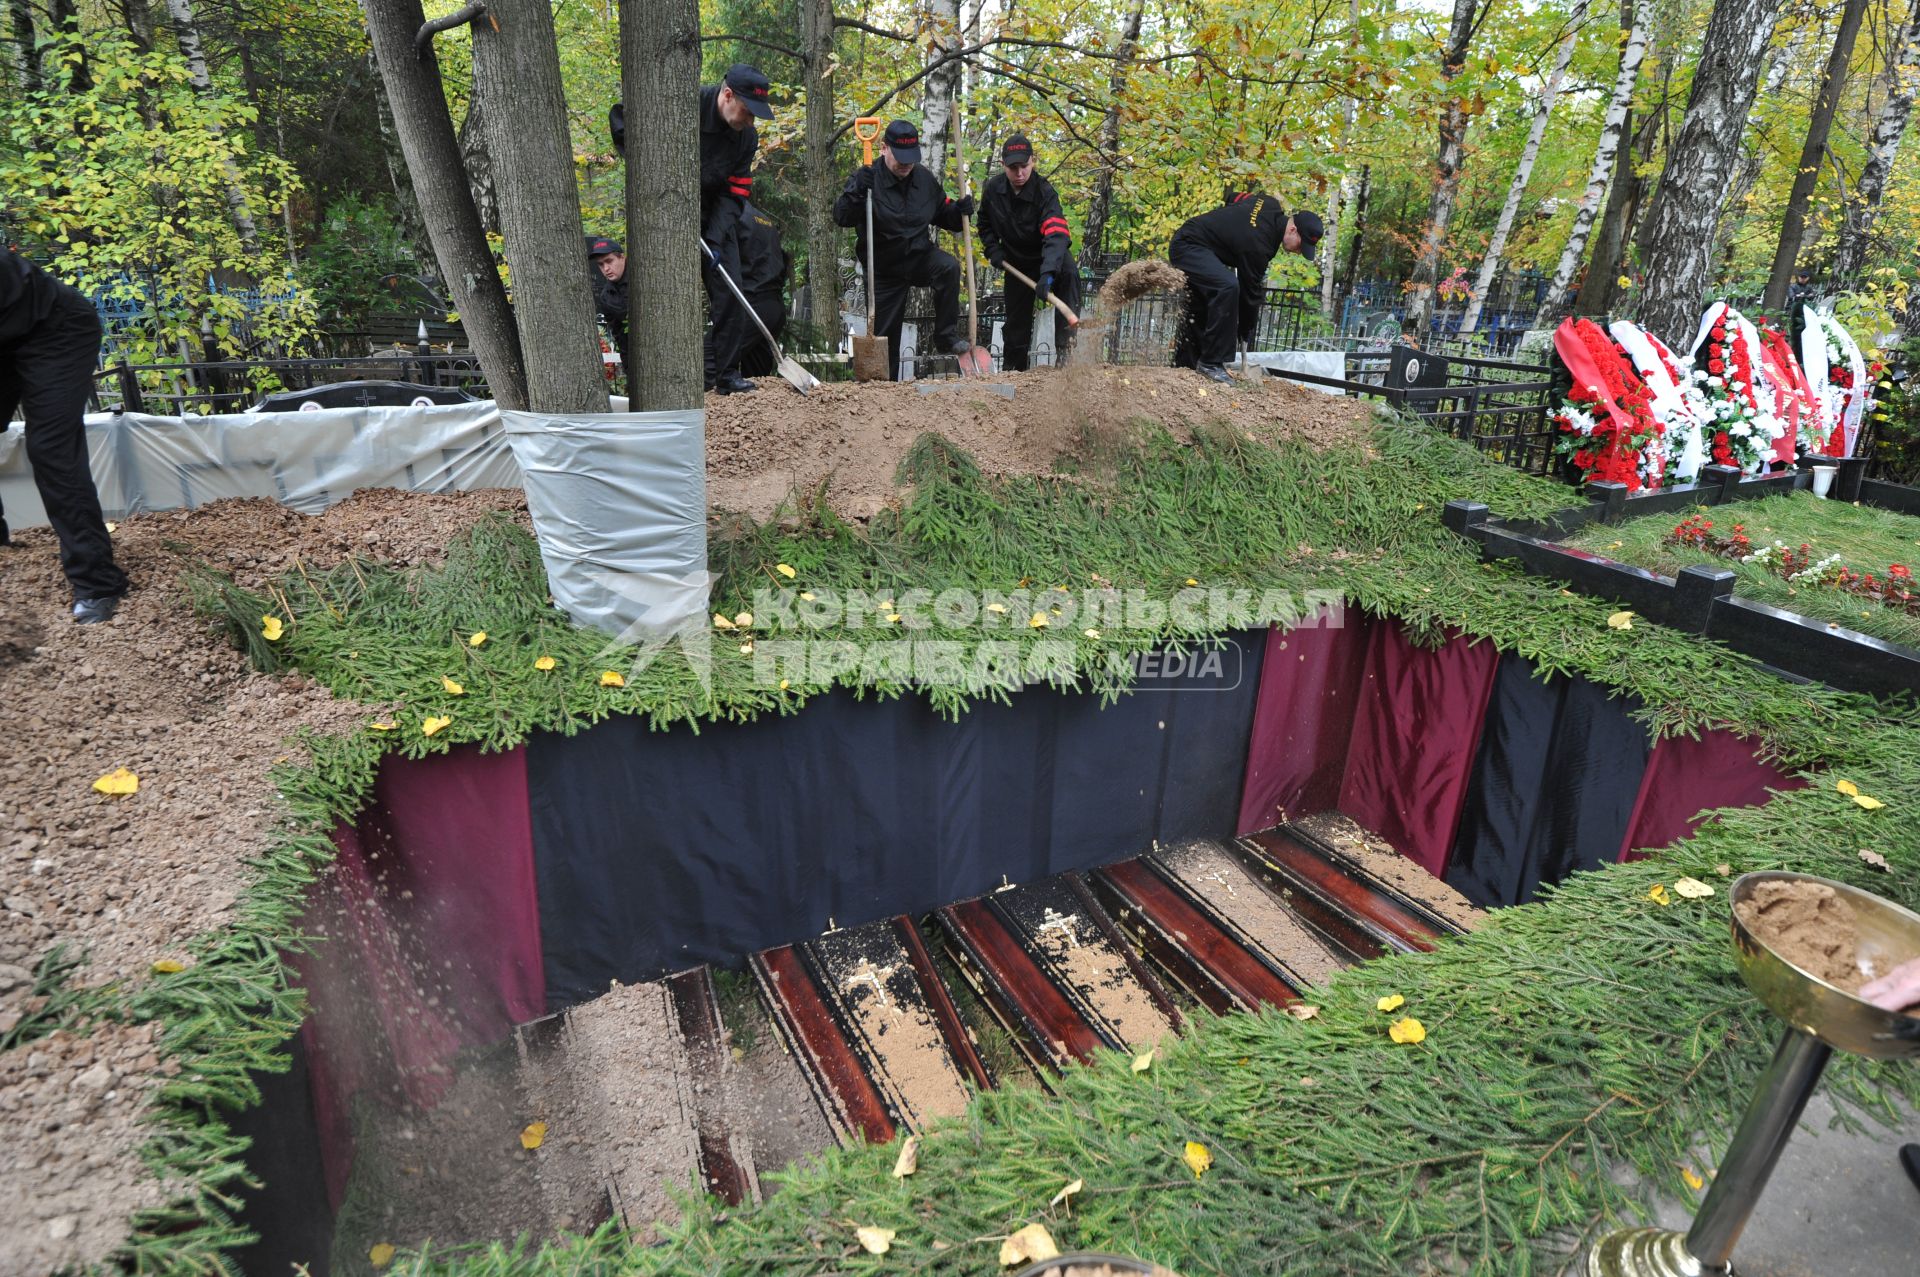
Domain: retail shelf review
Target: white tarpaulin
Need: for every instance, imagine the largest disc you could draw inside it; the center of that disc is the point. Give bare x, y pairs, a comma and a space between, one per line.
1331, 364
306, 460
619, 502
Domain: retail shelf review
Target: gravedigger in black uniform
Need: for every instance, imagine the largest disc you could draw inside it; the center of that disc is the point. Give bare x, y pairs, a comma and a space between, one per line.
1021, 226
1225, 254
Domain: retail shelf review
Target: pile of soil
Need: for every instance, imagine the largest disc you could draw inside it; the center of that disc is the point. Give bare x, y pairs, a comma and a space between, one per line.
130, 880
1137, 279
1808, 925
763, 447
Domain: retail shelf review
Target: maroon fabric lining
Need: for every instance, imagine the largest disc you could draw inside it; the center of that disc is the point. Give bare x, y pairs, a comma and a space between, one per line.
429, 938
1686, 778
1309, 685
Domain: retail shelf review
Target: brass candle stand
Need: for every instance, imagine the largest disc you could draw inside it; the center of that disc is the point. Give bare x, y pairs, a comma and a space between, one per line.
1820, 1019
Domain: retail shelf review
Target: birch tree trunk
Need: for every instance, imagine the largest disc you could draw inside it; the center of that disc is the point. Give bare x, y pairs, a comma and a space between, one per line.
1100, 207
439, 180
1601, 284
936, 117
660, 82
823, 241
1612, 126
1517, 189
1889, 126
1679, 256
1813, 154
1446, 186
25, 42
1342, 194
186, 34
516, 75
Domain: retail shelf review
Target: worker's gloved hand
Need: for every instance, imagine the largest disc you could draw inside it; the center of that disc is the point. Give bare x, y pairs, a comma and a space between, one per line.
863, 181
1044, 289
997, 258
964, 205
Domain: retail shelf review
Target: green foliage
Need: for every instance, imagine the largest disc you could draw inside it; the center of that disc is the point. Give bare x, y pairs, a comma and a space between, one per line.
359, 241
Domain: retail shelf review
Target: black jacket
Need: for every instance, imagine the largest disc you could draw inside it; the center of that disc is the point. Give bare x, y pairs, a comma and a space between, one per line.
27, 296
726, 161
1245, 235
763, 262
903, 208
1025, 226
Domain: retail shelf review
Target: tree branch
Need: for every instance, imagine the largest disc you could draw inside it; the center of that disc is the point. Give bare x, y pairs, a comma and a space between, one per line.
855, 24
769, 46
423, 42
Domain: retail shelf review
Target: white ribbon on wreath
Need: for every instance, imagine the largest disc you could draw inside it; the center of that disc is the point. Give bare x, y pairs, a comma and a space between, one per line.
1679, 406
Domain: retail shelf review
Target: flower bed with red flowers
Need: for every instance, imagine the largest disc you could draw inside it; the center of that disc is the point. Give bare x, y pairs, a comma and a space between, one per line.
1894, 588
1608, 428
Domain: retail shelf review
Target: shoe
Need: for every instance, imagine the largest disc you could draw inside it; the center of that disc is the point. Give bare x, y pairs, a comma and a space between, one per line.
95, 611
734, 384
1214, 372
1910, 1158
960, 346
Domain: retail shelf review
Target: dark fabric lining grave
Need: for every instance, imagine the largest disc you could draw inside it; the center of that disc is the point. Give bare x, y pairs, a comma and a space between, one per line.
656, 851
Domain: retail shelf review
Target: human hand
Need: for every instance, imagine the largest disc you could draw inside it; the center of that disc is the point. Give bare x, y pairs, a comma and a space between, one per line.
1897, 990
1043, 289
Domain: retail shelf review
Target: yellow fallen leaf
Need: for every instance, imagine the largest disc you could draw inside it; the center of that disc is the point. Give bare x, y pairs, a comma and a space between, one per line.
1658, 894
1392, 1002
167, 966
453, 688
544, 663
271, 629
807, 596
785, 684
721, 623
893, 618
1143, 1061
1197, 1158
876, 1240
1693, 1181
1876, 860
1620, 621
1067, 1192
1191, 581
1028, 1246
477, 639
118, 781
380, 1254
909, 1160
112, 527
1871, 804
1723, 870
434, 723
1092, 634
1847, 787
785, 571
1692, 889
996, 607
1037, 621
1302, 1010
746, 649
383, 725
1407, 1031
1203, 394
533, 1135
612, 678
743, 619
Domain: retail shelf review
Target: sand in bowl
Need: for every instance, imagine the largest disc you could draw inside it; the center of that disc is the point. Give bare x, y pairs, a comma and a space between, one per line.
1808, 925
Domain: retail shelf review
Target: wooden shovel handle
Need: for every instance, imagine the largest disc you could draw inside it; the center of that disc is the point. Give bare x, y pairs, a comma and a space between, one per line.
1058, 305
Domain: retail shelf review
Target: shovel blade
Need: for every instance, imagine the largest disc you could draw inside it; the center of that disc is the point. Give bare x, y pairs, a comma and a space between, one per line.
977, 362
797, 377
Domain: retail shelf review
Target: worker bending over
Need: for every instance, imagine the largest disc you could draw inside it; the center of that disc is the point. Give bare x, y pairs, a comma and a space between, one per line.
1225, 254
1021, 226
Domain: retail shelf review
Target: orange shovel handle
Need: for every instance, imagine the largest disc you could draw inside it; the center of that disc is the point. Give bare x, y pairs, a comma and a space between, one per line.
867, 129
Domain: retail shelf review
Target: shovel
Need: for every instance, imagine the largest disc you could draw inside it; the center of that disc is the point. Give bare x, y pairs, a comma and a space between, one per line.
797, 377
1066, 311
869, 352
975, 362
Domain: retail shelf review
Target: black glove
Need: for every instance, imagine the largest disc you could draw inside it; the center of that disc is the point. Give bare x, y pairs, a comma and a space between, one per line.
863, 180
964, 205
997, 258
1044, 289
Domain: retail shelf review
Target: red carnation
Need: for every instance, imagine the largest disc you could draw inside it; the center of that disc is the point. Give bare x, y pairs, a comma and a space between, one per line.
1716, 367
1720, 438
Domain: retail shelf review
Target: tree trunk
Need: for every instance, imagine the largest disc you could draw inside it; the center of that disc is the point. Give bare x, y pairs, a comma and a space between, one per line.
1889, 126
1341, 194
1517, 189
1601, 286
406, 202
1752, 156
823, 239
1612, 126
936, 120
64, 15
1813, 155
660, 80
1446, 187
186, 33
1678, 262
25, 42
1359, 229
516, 75
1100, 207
478, 161
420, 120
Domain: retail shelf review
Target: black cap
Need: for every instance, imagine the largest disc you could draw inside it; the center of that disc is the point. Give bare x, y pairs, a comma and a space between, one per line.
1017, 150
750, 87
1310, 228
904, 139
600, 246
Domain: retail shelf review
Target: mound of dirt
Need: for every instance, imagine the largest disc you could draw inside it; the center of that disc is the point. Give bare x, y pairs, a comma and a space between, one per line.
1137, 279
765, 446
1809, 925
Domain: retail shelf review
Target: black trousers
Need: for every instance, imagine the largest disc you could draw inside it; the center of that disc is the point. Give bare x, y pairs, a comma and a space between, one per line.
1213, 307
727, 325
48, 375
1017, 337
756, 360
936, 269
